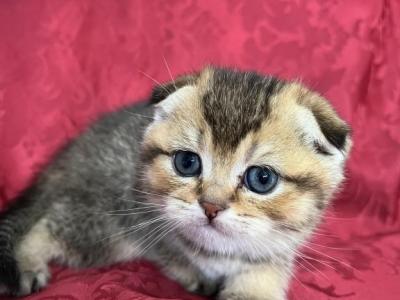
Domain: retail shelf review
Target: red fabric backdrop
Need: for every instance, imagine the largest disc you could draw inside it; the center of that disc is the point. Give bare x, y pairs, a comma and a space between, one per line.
62, 63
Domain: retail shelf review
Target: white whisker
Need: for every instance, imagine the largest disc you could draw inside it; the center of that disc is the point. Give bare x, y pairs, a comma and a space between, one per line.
169, 72
131, 229
138, 115
151, 78
157, 239
155, 194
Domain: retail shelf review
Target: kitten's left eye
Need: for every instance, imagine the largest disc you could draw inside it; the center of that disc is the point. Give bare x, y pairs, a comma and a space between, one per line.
260, 180
187, 164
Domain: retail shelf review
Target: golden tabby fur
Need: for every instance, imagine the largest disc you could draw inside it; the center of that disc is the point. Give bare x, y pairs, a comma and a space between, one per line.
292, 138
214, 229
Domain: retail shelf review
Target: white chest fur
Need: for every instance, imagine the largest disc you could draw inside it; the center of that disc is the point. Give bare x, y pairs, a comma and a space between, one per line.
216, 267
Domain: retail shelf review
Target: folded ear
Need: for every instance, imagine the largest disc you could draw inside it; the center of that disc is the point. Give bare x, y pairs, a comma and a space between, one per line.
162, 91
334, 129
166, 97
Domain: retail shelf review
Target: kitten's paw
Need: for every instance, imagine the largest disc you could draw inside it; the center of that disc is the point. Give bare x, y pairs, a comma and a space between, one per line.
233, 296
229, 296
192, 281
33, 281
18, 282
203, 288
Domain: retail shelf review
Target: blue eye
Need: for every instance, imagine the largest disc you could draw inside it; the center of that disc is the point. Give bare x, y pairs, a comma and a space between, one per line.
260, 180
187, 164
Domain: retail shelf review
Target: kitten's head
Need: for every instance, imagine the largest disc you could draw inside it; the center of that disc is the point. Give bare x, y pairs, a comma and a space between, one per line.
245, 164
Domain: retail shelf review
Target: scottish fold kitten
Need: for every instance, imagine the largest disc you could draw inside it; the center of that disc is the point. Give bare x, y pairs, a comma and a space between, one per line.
218, 179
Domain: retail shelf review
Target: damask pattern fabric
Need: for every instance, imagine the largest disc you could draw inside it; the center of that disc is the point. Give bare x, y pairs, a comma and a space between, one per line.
64, 63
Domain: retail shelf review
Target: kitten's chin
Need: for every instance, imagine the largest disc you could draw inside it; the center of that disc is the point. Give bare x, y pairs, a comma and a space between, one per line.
211, 238
205, 238
221, 240
214, 227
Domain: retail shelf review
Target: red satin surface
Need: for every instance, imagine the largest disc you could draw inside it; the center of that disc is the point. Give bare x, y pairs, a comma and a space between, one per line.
62, 63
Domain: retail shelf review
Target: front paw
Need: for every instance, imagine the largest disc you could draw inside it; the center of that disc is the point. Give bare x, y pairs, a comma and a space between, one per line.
232, 296
21, 282
33, 281
191, 280
198, 286
206, 289
226, 295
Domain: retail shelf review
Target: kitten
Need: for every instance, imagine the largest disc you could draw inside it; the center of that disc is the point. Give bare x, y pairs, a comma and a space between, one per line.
218, 180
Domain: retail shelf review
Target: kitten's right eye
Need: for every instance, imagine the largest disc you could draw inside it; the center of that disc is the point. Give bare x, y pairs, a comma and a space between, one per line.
187, 164
260, 180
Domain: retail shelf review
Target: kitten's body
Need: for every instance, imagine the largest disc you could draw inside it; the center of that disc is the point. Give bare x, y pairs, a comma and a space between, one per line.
113, 194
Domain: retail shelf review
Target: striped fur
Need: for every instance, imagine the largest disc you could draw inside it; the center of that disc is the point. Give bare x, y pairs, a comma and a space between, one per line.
114, 194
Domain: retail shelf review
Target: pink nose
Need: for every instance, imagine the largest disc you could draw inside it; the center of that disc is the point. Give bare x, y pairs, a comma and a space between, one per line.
210, 209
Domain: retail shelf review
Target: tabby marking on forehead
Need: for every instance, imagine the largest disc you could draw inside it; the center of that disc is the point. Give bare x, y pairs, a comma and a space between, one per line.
235, 104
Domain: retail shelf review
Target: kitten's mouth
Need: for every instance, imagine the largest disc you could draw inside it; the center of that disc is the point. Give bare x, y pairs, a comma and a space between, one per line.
214, 226
194, 243
207, 237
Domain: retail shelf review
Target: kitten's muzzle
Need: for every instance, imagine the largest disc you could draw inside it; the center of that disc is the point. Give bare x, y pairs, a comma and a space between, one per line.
211, 210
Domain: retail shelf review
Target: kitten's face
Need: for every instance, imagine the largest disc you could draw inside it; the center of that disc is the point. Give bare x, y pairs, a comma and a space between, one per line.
246, 163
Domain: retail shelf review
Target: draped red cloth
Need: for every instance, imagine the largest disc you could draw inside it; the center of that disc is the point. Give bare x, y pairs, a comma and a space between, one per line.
62, 63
